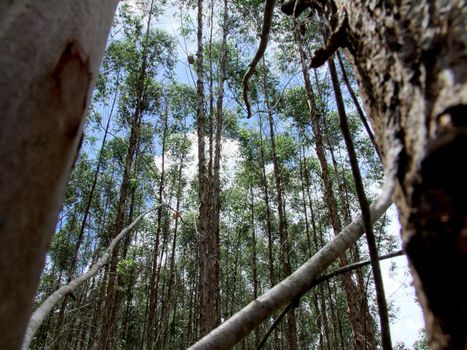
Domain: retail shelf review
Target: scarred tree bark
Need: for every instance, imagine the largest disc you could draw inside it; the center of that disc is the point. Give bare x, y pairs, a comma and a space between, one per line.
51, 51
411, 65
209, 263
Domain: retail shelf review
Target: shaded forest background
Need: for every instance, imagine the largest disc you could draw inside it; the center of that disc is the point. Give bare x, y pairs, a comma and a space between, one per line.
270, 204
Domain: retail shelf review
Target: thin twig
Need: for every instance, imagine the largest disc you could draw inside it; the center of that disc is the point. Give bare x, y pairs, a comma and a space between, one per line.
46, 307
320, 280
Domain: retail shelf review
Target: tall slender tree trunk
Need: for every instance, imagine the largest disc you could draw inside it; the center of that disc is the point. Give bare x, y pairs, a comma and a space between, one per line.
169, 297
283, 236
254, 257
108, 323
208, 291
153, 281
365, 208
320, 305
360, 318
269, 226
110, 306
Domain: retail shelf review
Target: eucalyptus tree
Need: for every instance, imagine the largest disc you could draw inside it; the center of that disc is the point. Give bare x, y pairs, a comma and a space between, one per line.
148, 52
209, 169
362, 325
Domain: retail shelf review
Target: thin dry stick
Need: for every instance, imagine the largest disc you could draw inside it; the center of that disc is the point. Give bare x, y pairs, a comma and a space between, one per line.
46, 307
267, 21
365, 209
357, 104
319, 280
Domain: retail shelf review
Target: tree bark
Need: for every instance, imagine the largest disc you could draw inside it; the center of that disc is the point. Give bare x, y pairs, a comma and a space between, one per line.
411, 65
48, 69
209, 315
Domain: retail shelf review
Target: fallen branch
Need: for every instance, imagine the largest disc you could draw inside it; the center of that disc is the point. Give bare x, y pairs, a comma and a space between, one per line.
243, 322
46, 307
320, 280
263, 44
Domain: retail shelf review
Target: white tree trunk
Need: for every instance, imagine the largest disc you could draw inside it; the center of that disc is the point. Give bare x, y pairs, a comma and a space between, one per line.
243, 322
50, 54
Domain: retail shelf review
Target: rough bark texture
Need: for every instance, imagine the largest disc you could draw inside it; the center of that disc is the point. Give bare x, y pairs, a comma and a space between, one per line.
209, 264
51, 51
410, 57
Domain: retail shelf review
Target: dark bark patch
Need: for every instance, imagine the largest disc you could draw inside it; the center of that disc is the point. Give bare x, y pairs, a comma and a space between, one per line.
71, 81
458, 115
437, 249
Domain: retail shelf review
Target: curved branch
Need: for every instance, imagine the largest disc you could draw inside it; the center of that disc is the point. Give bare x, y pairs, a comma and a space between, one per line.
46, 307
267, 21
243, 322
319, 280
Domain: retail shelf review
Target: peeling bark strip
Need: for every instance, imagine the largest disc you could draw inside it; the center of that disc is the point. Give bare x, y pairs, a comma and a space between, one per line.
336, 40
243, 322
50, 53
411, 61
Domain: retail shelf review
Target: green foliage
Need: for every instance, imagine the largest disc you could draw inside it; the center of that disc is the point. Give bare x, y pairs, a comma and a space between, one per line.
145, 89
422, 341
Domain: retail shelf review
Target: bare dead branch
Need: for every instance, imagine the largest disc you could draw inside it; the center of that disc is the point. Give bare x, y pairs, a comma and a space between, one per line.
320, 280
267, 21
243, 322
46, 307
336, 40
